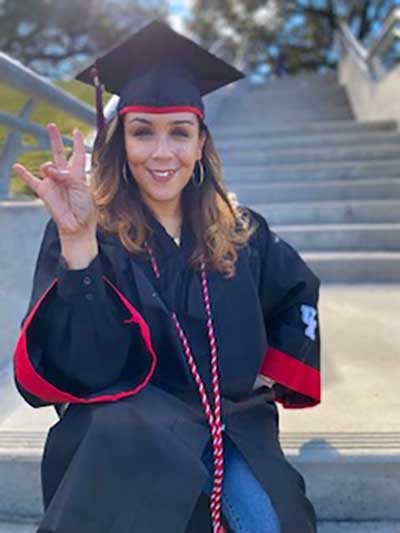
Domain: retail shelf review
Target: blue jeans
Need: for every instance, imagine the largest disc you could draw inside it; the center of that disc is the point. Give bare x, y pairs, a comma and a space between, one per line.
245, 504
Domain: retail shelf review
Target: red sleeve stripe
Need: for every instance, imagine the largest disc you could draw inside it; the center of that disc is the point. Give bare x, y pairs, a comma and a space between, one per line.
33, 382
292, 373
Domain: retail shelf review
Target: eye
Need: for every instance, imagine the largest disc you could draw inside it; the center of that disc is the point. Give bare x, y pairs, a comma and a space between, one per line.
142, 132
180, 132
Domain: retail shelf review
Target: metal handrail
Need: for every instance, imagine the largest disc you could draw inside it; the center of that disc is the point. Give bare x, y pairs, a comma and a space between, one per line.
16, 123
353, 45
387, 32
369, 59
23, 79
36, 88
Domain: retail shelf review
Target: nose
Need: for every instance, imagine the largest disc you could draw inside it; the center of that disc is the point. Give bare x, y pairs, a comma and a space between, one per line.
162, 149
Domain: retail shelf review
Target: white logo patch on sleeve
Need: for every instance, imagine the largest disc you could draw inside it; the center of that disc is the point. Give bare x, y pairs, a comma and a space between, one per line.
308, 315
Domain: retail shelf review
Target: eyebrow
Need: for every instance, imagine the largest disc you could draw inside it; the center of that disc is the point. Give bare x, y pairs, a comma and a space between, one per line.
175, 122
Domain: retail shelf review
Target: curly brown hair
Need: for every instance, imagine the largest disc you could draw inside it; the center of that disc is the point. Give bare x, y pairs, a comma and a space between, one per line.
220, 226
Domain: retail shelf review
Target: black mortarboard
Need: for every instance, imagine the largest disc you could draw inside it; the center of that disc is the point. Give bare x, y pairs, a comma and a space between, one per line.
158, 70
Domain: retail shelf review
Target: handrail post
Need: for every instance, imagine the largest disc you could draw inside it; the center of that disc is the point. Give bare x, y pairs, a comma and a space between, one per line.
11, 149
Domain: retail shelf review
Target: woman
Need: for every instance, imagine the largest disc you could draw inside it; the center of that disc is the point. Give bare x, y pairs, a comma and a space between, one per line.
153, 298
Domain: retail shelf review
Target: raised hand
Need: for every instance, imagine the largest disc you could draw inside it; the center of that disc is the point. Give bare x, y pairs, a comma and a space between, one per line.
64, 189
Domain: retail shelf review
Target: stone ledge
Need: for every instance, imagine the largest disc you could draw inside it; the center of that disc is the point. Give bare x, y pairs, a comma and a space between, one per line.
323, 527
349, 476
352, 446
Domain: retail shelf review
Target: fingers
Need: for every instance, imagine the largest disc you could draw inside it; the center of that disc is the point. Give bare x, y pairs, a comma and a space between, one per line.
49, 170
57, 146
28, 178
78, 159
44, 169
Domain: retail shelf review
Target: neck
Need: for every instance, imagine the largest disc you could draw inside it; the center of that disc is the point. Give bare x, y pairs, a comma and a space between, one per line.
169, 214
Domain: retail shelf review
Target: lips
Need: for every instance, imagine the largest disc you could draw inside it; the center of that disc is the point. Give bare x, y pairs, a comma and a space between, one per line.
162, 175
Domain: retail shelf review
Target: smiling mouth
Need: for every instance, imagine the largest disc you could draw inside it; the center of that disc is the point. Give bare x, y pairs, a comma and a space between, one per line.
162, 175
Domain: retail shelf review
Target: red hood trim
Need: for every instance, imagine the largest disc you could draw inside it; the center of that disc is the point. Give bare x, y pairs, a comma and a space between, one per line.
36, 385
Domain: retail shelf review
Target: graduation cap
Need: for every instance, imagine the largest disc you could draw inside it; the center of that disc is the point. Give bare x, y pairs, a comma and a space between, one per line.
158, 70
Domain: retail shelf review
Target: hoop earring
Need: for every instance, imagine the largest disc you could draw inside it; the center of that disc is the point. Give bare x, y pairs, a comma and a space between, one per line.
198, 182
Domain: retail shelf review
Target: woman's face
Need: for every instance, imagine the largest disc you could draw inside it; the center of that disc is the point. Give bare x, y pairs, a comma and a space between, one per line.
161, 151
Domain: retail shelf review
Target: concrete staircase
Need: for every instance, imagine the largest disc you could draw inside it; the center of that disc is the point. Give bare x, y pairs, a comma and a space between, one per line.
327, 184
293, 152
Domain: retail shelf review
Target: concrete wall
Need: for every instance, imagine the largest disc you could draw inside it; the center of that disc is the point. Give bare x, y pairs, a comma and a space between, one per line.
22, 224
370, 99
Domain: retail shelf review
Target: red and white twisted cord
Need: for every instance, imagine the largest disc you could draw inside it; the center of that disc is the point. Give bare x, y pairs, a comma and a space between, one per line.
213, 418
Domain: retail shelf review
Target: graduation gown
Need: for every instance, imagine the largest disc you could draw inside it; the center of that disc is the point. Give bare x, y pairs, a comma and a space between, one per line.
125, 456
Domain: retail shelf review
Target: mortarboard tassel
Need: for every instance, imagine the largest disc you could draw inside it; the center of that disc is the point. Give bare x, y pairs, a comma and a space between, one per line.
99, 98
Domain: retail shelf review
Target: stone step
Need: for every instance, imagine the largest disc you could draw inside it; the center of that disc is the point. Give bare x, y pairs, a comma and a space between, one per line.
342, 237
349, 476
305, 98
345, 211
351, 471
333, 140
315, 154
313, 191
294, 89
293, 92
359, 527
312, 171
355, 268
335, 126
327, 77
300, 100
245, 116
16, 526
326, 92
323, 527
295, 84
306, 78
306, 101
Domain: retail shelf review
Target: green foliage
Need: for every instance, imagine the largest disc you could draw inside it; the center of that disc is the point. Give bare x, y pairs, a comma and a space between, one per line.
57, 36
282, 35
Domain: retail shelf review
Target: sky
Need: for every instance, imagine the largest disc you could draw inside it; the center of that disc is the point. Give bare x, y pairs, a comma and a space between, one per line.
178, 12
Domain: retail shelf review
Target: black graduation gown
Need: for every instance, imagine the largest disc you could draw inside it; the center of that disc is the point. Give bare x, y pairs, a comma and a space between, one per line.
125, 457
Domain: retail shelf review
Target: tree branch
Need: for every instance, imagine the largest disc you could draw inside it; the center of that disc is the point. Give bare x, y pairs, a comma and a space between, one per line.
328, 15
364, 20
53, 57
